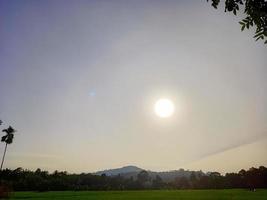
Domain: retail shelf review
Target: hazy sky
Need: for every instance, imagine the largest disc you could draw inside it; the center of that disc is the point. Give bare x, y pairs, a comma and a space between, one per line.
79, 79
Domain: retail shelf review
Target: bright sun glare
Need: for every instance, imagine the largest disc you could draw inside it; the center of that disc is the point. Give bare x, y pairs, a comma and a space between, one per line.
164, 108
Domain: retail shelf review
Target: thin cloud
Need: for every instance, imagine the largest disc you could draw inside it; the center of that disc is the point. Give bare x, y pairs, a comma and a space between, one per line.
244, 142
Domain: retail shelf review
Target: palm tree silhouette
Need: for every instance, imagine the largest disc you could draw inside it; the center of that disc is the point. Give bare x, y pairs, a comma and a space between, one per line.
8, 139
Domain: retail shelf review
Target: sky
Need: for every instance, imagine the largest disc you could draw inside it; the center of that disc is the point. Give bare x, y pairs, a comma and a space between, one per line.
79, 79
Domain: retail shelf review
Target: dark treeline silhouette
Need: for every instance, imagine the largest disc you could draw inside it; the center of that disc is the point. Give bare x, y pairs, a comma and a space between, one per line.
25, 180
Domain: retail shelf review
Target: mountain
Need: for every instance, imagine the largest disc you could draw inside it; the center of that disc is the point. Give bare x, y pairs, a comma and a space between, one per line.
133, 171
121, 171
165, 175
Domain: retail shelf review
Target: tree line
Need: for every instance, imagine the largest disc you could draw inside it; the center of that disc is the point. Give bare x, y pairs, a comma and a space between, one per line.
39, 180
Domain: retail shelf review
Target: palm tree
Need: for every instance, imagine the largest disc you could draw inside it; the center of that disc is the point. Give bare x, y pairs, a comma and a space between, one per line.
8, 139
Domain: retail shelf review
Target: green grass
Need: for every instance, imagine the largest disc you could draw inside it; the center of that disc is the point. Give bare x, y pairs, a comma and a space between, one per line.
146, 195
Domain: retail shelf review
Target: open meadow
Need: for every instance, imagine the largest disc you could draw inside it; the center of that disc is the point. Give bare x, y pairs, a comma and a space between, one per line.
147, 195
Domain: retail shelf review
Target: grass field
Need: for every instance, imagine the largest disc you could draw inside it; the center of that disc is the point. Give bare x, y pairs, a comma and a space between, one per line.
146, 195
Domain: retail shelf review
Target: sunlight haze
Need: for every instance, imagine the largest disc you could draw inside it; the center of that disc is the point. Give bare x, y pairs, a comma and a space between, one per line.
79, 81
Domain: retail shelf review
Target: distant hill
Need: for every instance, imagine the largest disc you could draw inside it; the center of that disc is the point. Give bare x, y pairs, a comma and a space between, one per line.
132, 171
121, 171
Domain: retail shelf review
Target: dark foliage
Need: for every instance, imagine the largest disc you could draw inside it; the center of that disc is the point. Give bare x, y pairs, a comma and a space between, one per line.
255, 14
25, 180
8, 138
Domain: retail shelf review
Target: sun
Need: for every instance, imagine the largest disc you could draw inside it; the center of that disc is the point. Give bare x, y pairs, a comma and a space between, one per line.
164, 108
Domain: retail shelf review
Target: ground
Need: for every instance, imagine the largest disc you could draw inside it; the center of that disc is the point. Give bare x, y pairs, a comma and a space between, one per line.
146, 195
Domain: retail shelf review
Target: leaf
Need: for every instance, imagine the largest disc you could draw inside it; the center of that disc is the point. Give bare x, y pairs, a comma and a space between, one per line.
258, 30
3, 139
9, 140
258, 34
258, 38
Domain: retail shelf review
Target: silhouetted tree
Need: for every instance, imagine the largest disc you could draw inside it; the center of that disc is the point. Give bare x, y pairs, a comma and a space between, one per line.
181, 183
143, 178
25, 180
233, 180
193, 179
158, 183
255, 14
8, 139
216, 180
